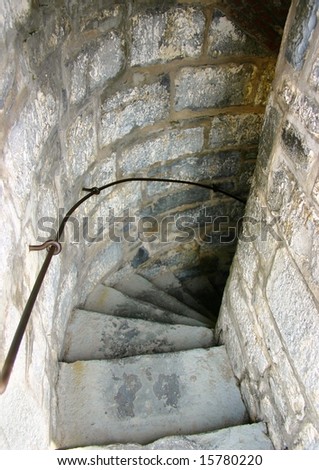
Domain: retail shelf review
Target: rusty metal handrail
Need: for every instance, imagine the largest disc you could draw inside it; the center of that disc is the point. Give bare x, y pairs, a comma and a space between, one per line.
54, 247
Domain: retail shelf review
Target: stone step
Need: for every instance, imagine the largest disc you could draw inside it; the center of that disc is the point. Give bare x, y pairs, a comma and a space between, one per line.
108, 300
201, 289
140, 288
245, 437
92, 335
168, 282
144, 398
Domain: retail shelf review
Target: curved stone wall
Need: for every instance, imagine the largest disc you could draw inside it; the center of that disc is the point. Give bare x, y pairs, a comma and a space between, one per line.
96, 91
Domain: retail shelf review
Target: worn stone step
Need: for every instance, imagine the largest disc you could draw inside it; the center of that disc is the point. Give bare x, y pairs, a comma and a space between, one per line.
108, 300
144, 398
168, 282
92, 335
140, 288
245, 437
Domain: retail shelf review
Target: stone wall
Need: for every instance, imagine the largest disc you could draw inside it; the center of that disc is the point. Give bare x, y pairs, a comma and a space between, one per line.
269, 318
93, 91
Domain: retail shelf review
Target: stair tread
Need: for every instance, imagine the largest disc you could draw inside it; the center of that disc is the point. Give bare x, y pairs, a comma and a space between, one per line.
168, 282
105, 299
140, 288
93, 335
144, 398
245, 437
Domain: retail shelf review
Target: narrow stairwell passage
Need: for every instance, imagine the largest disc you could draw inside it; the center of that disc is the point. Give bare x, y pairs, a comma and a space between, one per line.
140, 370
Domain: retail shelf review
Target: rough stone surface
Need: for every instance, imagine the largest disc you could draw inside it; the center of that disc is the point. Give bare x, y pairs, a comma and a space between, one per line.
108, 300
213, 86
170, 283
137, 107
94, 65
268, 135
246, 437
302, 105
159, 386
300, 32
226, 38
99, 336
296, 148
314, 76
164, 36
294, 298
167, 146
140, 288
230, 130
81, 146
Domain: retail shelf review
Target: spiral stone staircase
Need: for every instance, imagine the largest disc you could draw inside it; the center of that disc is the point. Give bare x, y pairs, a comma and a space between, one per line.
141, 370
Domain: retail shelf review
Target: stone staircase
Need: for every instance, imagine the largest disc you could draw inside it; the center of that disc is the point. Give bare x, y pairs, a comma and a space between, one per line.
140, 370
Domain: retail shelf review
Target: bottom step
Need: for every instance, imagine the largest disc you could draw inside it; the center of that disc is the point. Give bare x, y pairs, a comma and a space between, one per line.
144, 398
246, 437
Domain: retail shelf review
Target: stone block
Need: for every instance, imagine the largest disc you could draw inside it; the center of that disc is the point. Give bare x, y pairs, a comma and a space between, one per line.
213, 86
133, 108
249, 263
284, 381
81, 142
274, 422
308, 112
27, 138
268, 135
7, 76
200, 168
159, 37
168, 145
78, 77
301, 226
303, 106
230, 130
226, 38
315, 191
296, 147
308, 438
287, 92
106, 60
314, 75
98, 61
179, 199
228, 335
296, 315
298, 221
49, 28
280, 189
300, 32
265, 320
246, 325
95, 15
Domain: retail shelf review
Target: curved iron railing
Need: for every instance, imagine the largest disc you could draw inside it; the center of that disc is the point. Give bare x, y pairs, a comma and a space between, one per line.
54, 247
